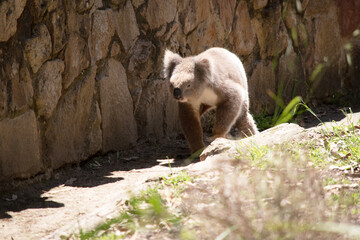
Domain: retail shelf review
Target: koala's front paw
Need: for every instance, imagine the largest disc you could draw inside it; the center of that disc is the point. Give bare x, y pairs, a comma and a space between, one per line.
210, 139
215, 136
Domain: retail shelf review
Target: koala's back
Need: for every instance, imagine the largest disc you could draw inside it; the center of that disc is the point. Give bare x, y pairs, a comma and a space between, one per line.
225, 66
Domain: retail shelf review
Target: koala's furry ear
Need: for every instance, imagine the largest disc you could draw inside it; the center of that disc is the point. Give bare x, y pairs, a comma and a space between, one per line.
202, 68
170, 61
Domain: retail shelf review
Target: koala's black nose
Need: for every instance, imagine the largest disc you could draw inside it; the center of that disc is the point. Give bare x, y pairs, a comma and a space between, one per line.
177, 92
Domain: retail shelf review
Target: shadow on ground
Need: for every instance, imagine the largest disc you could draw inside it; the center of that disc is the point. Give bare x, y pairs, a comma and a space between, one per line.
92, 173
326, 113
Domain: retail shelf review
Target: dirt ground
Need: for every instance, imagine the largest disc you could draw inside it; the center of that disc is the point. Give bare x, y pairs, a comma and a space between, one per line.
82, 195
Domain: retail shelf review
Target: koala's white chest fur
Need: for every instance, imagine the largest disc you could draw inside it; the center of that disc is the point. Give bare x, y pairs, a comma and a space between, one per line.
208, 97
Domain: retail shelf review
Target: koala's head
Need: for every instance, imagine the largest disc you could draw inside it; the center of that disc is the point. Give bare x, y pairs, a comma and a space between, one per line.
188, 77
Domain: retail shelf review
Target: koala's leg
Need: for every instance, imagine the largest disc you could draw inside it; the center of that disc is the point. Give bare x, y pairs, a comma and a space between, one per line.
226, 115
246, 125
245, 122
191, 126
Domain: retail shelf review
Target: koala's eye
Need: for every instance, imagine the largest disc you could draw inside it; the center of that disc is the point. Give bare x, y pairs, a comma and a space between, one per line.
188, 86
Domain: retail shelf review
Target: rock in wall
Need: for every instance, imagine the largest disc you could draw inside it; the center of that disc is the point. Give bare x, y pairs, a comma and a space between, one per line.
82, 77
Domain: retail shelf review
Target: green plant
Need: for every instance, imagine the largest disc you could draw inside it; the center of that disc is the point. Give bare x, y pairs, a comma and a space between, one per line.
282, 113
178, 179
169, 164
289, 111
147, 211
316, 154
263, 121
254, 153
338, 180
330, 181
343, 142
177, 182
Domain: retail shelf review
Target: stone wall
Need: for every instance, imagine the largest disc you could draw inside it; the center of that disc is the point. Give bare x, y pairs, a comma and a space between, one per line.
85, 76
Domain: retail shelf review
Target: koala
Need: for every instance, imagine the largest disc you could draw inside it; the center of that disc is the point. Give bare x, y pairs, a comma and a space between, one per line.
216, 79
